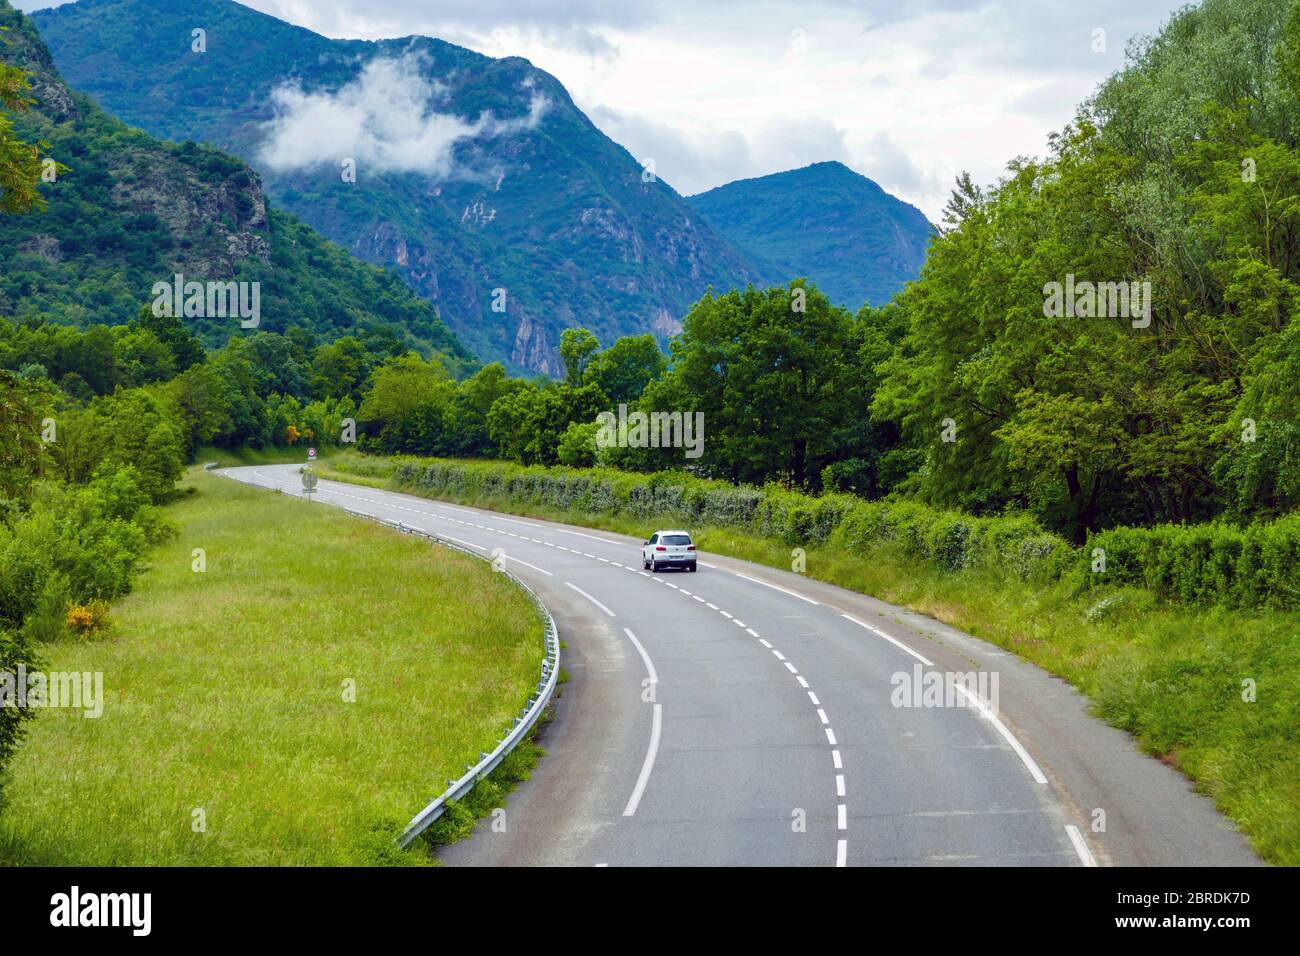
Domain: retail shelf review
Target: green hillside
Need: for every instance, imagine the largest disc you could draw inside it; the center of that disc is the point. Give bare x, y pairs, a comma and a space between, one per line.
130, 211
827, 223
552, 211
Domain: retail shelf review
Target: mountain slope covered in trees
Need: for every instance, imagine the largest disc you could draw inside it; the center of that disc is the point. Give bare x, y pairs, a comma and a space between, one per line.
827, 223
529, 197
128, 211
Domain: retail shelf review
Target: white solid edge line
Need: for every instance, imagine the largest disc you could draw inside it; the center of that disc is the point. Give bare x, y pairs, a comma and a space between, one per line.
589, 598
527, 565
648, 765
897, 643
1010, 738
776, 587
1080, 845
649, 664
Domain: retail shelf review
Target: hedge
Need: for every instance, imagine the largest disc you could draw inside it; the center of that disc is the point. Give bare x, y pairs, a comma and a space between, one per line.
1253, 566
951, 539
1257, 565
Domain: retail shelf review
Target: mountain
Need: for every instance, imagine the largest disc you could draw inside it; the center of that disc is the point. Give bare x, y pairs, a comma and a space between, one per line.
478, 179
825, 222
131, 211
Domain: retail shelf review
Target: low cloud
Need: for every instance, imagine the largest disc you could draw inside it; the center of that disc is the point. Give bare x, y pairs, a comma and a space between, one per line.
697, 160
386, 120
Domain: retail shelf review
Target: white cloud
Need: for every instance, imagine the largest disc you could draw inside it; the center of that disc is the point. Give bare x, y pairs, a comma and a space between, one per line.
688, 160
386, 120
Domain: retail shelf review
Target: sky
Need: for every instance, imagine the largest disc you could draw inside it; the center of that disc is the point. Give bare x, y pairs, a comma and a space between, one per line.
908, 92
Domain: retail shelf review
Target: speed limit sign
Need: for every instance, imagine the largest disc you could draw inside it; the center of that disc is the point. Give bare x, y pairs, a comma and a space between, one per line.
311, 454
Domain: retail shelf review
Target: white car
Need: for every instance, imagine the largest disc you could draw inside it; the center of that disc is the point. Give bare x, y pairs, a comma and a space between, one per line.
668, 549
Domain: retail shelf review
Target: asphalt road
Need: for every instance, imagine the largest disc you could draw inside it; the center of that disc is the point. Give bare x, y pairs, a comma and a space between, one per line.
746, 716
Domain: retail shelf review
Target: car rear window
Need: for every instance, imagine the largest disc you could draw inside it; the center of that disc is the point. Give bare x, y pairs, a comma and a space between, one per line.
677, 539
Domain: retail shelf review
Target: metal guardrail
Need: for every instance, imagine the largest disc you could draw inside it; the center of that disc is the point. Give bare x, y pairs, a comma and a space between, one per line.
528, 715
523, 723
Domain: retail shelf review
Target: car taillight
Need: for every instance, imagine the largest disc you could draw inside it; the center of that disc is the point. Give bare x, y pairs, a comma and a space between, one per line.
661, 548
690, 547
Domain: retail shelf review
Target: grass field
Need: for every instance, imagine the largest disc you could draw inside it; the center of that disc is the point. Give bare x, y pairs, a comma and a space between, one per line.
1174, 676
225, 695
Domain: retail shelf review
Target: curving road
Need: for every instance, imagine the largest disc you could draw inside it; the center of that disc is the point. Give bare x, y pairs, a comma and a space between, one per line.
742, 716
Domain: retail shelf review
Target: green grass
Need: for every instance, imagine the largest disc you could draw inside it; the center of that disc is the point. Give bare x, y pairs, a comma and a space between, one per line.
1170, 674
224, 691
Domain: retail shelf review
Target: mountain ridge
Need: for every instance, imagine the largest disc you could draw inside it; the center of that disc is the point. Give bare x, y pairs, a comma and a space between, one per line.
131, 211
568, 227
827, 222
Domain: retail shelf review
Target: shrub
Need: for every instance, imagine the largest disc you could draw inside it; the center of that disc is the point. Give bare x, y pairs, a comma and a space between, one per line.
1257, 565
88, 620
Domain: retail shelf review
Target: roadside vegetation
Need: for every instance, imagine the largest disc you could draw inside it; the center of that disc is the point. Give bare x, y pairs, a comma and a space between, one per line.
226, 694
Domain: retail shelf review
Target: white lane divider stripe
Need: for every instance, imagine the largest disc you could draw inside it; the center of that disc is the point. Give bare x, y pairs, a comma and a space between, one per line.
649, 664
589, 598
1080, 845
468, 544
593, 537
527, 565
648, 765
842, 853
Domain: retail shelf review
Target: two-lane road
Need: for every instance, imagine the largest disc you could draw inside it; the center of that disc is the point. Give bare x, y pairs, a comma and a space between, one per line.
741, 715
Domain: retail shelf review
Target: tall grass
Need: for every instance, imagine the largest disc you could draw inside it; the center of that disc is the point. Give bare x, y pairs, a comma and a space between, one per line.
225, 693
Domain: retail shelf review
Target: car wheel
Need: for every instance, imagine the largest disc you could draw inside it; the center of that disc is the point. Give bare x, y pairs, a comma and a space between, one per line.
654, 566
691, 566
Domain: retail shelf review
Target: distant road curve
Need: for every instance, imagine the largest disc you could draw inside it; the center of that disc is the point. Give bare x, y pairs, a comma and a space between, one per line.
742, 716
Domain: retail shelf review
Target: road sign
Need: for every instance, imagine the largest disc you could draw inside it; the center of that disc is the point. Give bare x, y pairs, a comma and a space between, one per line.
308, 480
311, 454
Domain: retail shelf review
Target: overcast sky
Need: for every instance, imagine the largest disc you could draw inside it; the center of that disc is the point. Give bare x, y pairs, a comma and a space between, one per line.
908, 93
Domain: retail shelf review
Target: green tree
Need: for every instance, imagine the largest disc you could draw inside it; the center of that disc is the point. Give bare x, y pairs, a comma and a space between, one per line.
20, 162
772, 373
576, 348
410, 407
623, 370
